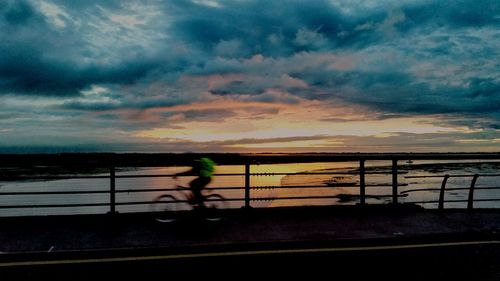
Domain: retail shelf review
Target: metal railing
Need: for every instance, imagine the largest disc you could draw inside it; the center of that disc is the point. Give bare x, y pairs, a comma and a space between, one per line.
247, 189
470, 200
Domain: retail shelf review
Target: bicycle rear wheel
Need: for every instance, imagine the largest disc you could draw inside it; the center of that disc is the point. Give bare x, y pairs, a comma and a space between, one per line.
166, 208
214, 204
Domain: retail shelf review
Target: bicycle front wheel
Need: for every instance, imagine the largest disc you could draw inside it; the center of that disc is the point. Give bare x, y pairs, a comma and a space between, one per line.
214, 204
167, 208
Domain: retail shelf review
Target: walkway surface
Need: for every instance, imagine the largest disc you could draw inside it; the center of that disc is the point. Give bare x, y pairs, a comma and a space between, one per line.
246, 228
341, 243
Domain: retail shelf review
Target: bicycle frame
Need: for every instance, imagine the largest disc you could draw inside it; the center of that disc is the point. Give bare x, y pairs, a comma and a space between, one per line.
167, 207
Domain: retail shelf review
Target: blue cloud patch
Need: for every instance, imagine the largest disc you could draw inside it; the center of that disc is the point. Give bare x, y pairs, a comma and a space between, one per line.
400, 58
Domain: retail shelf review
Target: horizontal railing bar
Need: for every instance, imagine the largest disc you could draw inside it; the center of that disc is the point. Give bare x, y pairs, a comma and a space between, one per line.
257, 199
240, 174
181, 189
452, 201
54, 192
252, 187
234, 188
446, 201
487, 187
148, 202
324, 173
165, 175
12, 178
101, 204
176, 201
293, 197
98, 177
148, 190
172, 175
54, 206
174, 189
421, 202
230, 199
385, 185
185, 189
452, 188
234, 174
452, 176
302, 173
317, 197
296, 186
106, 191
319, 186
435, 176
423, 189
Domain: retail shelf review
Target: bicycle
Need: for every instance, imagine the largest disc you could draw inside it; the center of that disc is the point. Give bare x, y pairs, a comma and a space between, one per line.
167, 208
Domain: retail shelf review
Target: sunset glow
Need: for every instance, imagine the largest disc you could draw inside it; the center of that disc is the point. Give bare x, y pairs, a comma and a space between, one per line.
249, 76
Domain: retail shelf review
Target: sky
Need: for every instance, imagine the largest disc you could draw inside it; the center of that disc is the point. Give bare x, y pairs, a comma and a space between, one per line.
249, 76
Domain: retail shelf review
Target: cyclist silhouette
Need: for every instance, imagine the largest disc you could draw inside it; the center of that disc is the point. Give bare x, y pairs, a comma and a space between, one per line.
204, 169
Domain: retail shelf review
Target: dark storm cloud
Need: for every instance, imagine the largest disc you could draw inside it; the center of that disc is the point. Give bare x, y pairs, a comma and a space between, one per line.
474, 99
238, 87
38, 58
273, 28
399, 58
26, 72
455, 14
206, 115
270, 26
19, 13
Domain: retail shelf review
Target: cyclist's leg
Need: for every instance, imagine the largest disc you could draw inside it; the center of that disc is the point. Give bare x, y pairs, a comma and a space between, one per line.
197, 186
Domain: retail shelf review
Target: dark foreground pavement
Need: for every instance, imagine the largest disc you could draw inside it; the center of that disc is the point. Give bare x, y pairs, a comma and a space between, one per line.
373, 243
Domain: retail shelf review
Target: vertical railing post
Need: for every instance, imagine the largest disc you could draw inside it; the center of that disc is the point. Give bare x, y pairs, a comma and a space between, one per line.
112, 194
247, 185
470, 201
395, 181
441, 192
362, 186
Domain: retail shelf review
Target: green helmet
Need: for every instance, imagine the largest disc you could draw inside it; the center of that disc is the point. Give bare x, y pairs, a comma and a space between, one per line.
207, 167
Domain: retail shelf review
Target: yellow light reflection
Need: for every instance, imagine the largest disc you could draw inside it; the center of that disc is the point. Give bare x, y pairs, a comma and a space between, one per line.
291, 144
